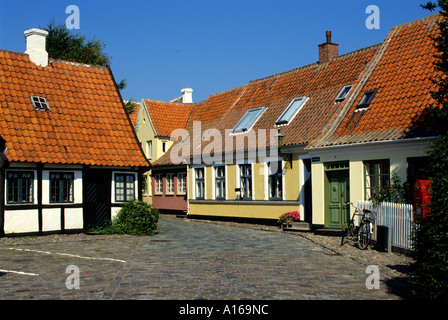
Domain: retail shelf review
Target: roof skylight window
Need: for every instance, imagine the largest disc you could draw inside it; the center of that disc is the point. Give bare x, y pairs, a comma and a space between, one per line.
248, 120
343, 94
366, 99
40, 103
292, 110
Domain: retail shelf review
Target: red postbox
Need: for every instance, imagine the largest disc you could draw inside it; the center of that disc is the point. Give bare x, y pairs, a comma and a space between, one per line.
422, 198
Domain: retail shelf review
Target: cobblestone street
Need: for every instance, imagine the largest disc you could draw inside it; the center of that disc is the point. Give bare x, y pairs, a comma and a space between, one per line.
191, 260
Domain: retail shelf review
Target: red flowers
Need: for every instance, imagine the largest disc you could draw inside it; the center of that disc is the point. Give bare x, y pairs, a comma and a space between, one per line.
289, 217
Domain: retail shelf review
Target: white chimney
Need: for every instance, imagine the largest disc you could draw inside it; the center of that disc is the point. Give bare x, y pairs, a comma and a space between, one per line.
187, 95
35, 46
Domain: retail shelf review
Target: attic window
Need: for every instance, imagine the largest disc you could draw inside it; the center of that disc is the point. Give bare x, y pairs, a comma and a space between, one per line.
292, 110
248, 120
40, 103
366, 99
343, 94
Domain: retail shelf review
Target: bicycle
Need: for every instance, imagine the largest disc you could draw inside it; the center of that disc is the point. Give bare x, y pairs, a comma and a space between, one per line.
362, 234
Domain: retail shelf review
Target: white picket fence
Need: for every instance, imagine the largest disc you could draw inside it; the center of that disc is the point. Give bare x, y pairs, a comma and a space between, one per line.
397, 216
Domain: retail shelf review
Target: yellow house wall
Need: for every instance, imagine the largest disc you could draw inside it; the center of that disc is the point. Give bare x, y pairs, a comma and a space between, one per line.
259, 207
145, 132
398, 165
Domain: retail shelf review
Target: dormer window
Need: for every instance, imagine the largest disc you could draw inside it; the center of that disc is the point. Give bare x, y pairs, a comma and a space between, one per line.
292, 110
248, 120
40, 103
366, 99
343, 94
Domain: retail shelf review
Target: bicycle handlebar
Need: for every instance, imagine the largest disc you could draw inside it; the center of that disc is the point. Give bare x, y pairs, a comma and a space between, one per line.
364, 210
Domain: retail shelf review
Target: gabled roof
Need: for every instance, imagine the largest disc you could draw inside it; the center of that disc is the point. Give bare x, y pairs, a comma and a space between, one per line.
403, 78
167, 116
400, 70
86, 124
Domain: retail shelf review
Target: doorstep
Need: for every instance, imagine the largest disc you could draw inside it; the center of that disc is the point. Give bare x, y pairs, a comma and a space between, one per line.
297, 226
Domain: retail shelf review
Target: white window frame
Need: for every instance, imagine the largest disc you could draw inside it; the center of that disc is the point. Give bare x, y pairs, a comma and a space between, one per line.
34, 186
238, 179
169, 177
158, 181
181, 183
215, 166
40, 103
267, 180
113, 195
303, 101
195, 195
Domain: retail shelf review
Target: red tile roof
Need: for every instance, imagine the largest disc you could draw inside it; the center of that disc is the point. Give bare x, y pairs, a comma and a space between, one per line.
86, 124
403, 77
167, 116
400, 69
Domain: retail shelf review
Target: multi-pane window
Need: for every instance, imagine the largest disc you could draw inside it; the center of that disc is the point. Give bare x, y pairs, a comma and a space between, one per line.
40, 103
377, 175
181, 182
124, 187
199, 183
20, 186
170, 183
159, 183
220, 182
275, 180
61, 187
246, 181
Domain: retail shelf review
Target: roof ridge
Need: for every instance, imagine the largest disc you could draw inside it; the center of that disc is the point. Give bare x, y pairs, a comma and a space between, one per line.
168, 102
435, 16
75, 63
12, 51
317, 63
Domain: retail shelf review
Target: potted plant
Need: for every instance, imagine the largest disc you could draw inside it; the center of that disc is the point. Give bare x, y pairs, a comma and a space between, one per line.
288, 218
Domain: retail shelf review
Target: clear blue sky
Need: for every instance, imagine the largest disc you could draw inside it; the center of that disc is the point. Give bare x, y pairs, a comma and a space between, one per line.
162, 46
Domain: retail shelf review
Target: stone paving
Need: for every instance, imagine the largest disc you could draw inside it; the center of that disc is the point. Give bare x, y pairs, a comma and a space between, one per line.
193, 260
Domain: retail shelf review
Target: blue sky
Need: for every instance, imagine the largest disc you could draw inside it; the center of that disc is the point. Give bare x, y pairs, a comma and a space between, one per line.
162, 46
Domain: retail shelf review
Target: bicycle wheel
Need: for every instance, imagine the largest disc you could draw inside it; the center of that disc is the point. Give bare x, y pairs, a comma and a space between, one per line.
348, 233
364, 236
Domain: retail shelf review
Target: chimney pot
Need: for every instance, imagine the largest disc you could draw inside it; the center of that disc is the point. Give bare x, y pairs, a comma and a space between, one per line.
328, 34
187, 95
35, 46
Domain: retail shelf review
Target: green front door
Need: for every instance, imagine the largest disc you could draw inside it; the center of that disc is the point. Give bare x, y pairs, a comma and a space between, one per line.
336, 197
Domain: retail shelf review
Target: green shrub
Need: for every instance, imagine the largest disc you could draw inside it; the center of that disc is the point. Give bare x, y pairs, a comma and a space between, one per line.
134, 218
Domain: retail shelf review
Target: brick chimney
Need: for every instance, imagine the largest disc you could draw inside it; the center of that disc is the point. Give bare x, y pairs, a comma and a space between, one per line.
328, 50
35, 46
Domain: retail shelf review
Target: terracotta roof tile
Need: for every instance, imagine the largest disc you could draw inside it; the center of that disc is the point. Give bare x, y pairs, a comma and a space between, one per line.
168, 116
400, 69
403, 79
77, 128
